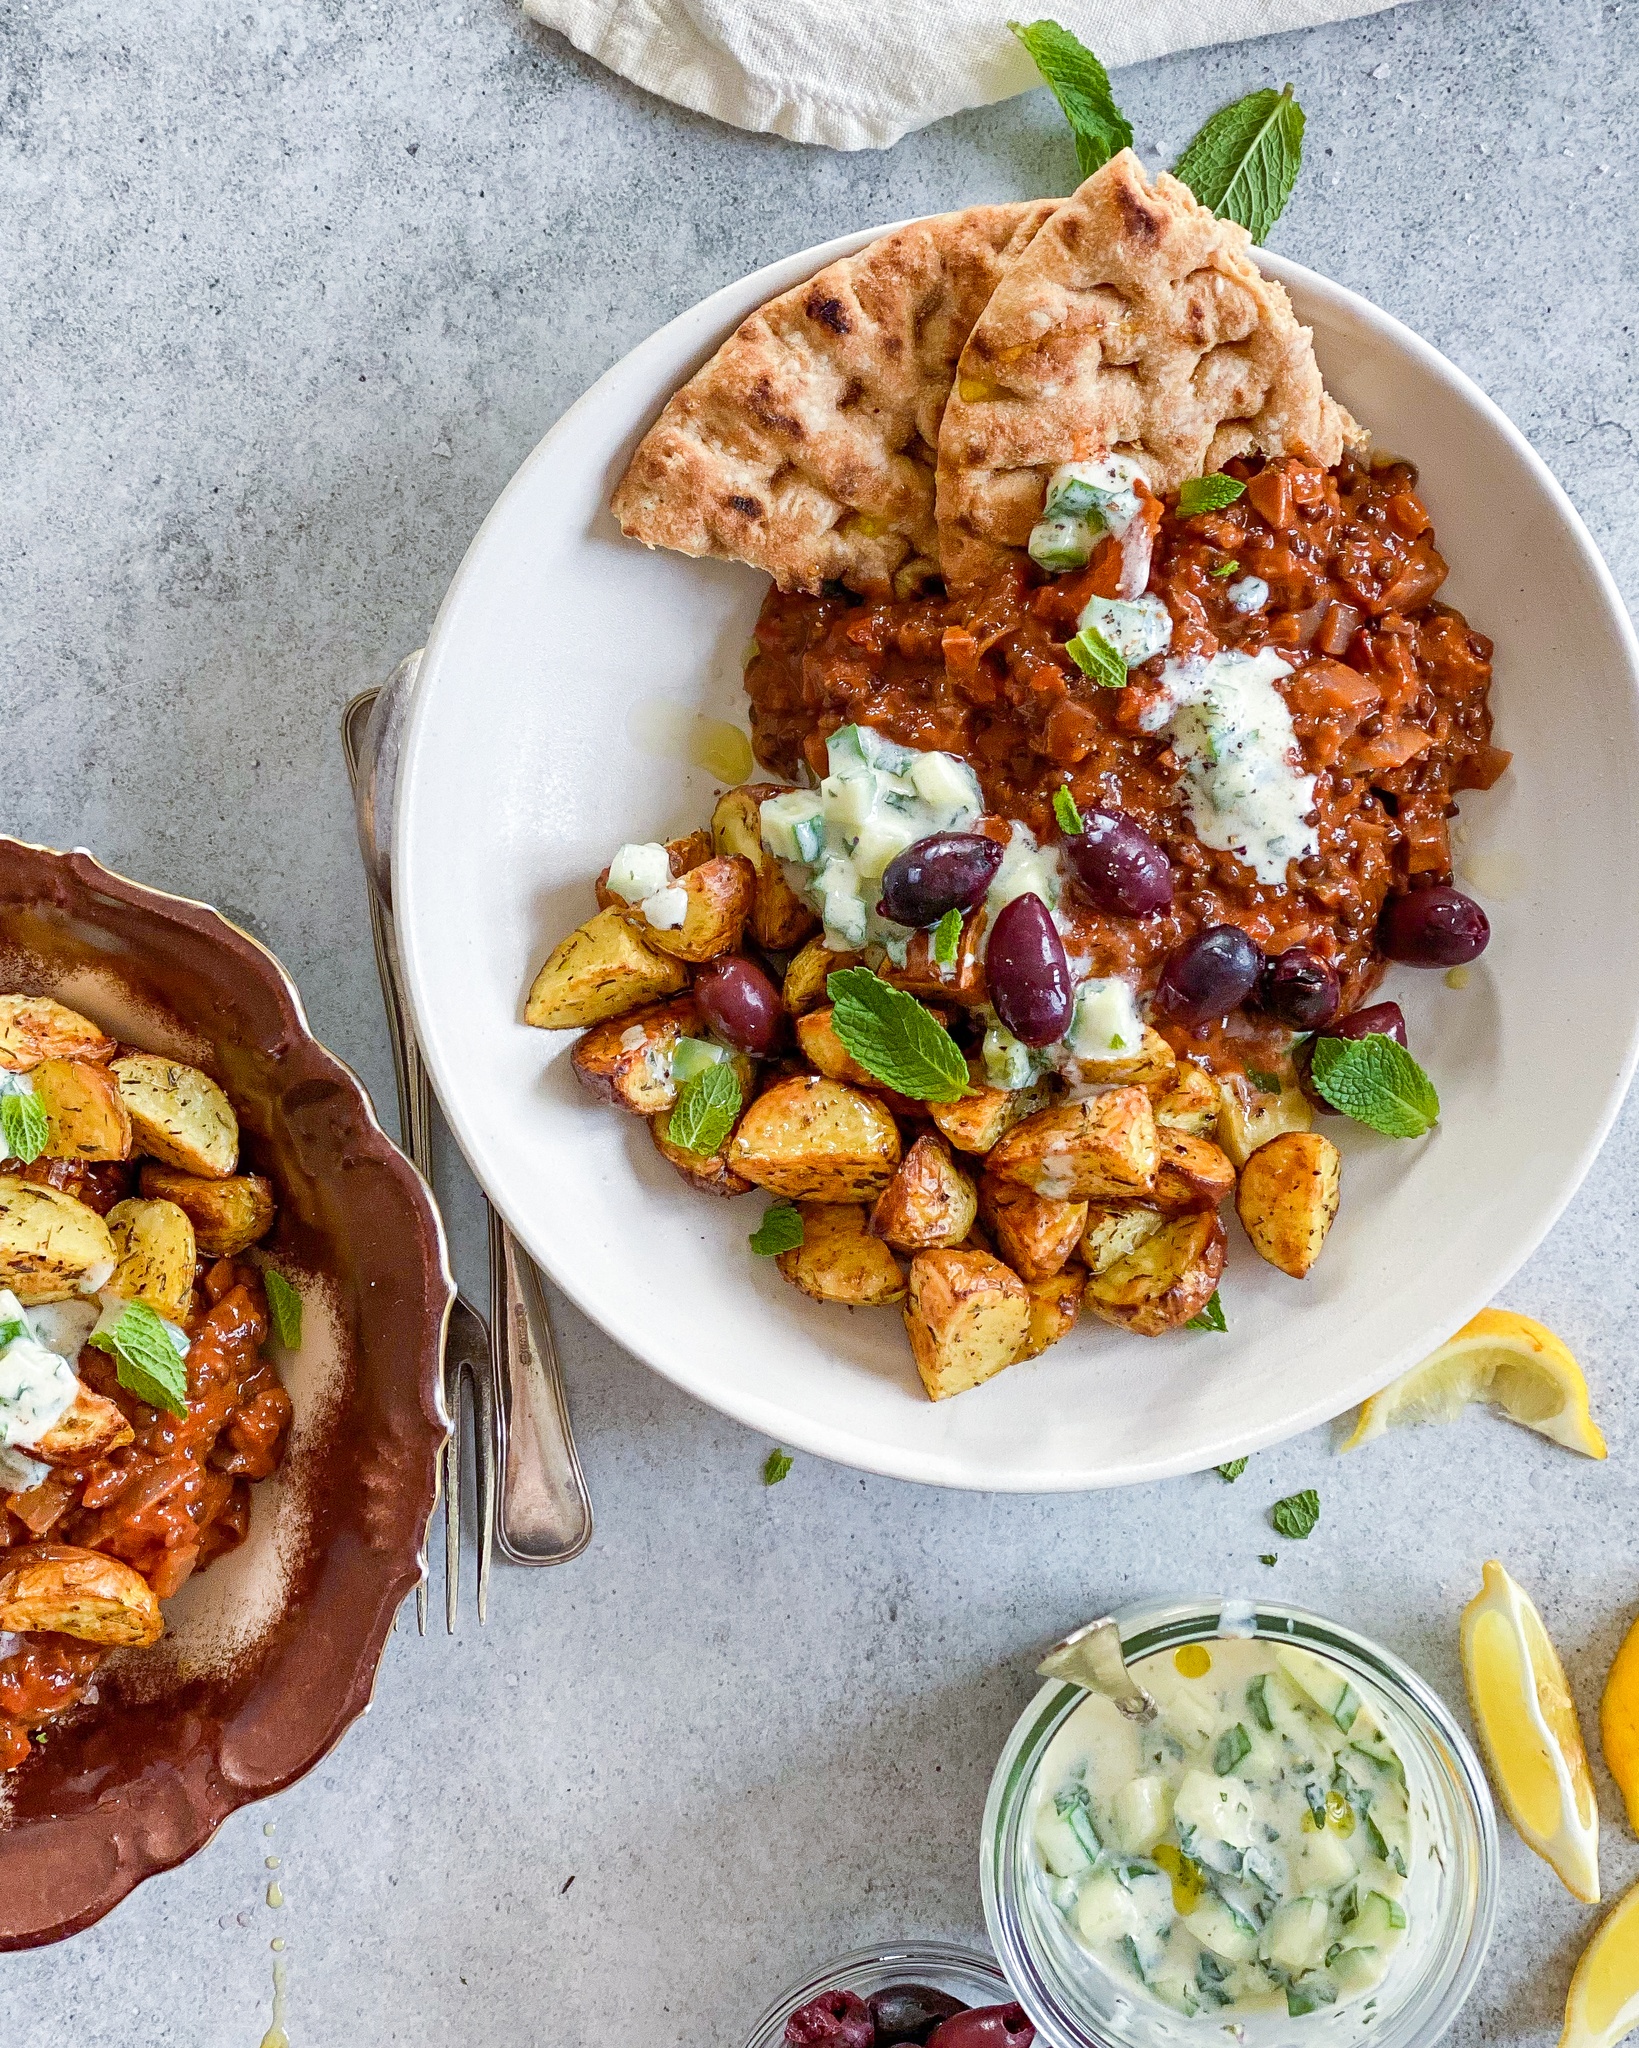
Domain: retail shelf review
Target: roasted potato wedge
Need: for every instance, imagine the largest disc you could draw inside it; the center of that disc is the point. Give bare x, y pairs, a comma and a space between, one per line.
86, 1117
1190, 1103
1287, 1198
1102, 1149
780, 919
49, 1242
981, 1119
156, 1253
179, 1115
709, 1172
968, 1317
601, 970
82, 1593
806, 975
930, 1202
1190, 1173
628, 1061
681, 855
1152, 1064
98, 1183
821, 1047
35, 1028
227, 1215
921, 975
89, 1427
717, 901
1033, 1234
1248, 1118
1112, 1233
1166, 1280
839, 1260
1055, 1304
816, 1141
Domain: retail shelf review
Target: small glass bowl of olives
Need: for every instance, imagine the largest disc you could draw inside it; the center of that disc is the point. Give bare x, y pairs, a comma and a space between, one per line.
926, 1993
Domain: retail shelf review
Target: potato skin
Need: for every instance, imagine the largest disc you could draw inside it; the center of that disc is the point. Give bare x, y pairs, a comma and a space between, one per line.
83, 1593
707, 1172
1247, 1118
1152, 1064
85, 1115
929, 1203
89, 1427
627, 1061
601, 970
968, 1317
47, 1241
1102, 1149
35, 1028
1055, 1305
720, 893
806, 976
1190, 1173
1112, 1233
1288, 1199
681, 855
780, 920
178, 1114
981, 1119
227, 1215
839, 1260
154, 1243
1166, 1280
816, 1141
1034, 1234
1190, 1104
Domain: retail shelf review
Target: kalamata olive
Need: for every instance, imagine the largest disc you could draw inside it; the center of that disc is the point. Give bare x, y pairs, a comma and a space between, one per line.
985, 2026
945, 871
1376, 1020
1438, 927
1299, 989
1119, 865
1209, 974
1028, 975
838, 2019
740, 1004
910, 2012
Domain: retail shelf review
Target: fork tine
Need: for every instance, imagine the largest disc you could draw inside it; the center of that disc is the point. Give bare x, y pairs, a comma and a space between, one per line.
484, 1461
455, 1383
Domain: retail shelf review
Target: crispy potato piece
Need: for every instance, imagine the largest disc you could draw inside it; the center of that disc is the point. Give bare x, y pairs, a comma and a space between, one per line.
980, 1120
1102, 1149
1152, 1064
98, 1183
179, 1115
82, 1593
821, 1047
968, 1317
156, 1252
1190, 1103
709, 1172
35, 1028
601, 970
1166, 1280
1112, 1233
1248, 1118
48, 1241
816, 1141
929, 1203
1034, 1234
839, 1260
89, 1427
719, 893
85, 1115
681, 855
227, 1215
921, 975
628, 1061
1190, 1173
1055, 1303
780, 919
806, 975
1288, 1198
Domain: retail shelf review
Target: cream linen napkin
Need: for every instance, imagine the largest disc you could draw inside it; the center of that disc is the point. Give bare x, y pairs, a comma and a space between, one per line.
857, 74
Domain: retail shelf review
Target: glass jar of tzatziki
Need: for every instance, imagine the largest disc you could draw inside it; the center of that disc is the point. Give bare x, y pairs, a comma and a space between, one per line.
1298, 1847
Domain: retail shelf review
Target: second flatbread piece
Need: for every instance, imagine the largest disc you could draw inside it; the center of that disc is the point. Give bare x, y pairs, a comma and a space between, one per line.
1137, 323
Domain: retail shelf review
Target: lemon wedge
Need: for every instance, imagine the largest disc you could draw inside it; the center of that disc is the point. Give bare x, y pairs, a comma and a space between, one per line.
1619, 1723
1528, 1728
1603, 2002
1518, 1365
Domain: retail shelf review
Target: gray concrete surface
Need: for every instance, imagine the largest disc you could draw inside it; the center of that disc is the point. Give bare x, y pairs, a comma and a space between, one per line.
288, 291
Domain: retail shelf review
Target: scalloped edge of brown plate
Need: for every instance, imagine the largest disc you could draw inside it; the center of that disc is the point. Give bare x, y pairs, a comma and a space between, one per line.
272, 1653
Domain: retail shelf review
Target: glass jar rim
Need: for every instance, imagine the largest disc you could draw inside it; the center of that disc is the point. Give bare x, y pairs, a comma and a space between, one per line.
889, 1961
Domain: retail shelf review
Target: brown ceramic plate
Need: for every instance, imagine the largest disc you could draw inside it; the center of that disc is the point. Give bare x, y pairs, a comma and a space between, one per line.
269, 1655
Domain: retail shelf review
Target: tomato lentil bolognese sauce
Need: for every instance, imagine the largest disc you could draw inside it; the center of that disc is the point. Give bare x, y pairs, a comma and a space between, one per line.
1337, 572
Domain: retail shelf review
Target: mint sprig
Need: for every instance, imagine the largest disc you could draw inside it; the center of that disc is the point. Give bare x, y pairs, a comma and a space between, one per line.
1232, 1471
1064, 809
1210, 1318
284, 1308
707, 1105
1245, 161
893, 1037
947, 939
779, 1231
775, 1467
1095, 657
145, 1359
1081, 86
1377, 1082
1297, 1514
23, 1126
1207, 494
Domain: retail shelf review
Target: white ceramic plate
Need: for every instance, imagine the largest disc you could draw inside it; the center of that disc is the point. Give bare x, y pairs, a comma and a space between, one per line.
526, 764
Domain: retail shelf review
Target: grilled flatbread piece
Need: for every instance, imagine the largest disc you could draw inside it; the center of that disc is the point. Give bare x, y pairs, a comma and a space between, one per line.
806, 446
1137, 323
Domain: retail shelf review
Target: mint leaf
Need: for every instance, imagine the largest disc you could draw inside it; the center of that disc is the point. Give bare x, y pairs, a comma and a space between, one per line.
1261, 1079
947, 939
1377, 1082
1081, 86
23, 1127
1207, 494
146, 1359
284, 1308
894, 1038
1297, 1514
1095, 657
1233, 1470
1064, 809
707, 1104
1245, 160
779, 1231
1224, 569
1210, 1318
1267, 1557
776, 1466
